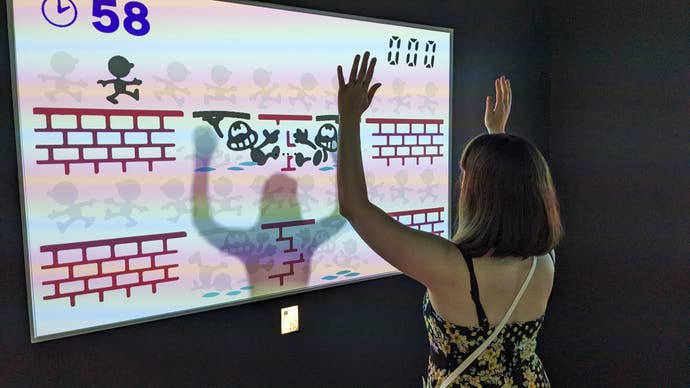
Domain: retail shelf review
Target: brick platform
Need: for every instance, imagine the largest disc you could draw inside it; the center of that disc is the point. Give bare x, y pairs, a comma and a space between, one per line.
98, 266
106, 145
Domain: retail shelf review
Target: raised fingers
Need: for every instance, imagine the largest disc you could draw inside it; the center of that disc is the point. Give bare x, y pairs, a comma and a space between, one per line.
341, 79
499, 92
353, 71
504, 95
372, 91
363, 68
370, 72
510, 92
360, 72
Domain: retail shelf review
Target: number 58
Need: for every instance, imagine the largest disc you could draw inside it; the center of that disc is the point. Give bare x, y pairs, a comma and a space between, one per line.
135, 12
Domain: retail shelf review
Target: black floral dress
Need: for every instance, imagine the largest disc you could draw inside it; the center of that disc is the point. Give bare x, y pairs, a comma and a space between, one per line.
510, 360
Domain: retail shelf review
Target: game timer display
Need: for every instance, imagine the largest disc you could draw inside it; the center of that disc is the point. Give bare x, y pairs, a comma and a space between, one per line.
180, 156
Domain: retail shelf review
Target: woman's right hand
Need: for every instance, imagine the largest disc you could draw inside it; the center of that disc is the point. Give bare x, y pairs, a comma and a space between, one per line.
497, 111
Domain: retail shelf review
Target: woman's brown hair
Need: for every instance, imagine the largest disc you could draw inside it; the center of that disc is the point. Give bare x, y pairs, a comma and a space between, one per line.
508, 204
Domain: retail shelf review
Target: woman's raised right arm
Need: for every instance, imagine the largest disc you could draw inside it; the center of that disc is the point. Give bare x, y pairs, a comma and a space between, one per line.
497, 112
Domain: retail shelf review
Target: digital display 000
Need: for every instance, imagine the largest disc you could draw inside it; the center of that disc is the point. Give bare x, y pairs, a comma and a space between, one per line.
180, 156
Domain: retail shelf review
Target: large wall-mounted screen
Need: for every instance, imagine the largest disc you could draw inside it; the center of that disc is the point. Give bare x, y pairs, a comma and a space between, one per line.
178, 156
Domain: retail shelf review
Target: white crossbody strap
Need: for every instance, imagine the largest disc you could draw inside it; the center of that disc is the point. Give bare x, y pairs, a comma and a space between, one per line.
493, 335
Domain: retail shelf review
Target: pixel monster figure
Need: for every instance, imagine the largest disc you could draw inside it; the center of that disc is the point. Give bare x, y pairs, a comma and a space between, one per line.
307, 84
177, 72
347, 257
128, 190
66, 194
375, 191
332, 94
257, 187
242, 137
207, 279
174, 190
401, 99
319, 242
306, 185
265, 93
277, 196
62, 64
429, 99
331, 193
325, 141
223, 188
220, 76
401, 189
256, 255
120, 67
429, 189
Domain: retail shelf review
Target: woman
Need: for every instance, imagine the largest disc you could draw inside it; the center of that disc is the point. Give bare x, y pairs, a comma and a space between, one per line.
508, 213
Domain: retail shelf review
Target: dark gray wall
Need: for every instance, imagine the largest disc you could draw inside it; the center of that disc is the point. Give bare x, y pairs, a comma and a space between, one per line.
585, 91
619, 152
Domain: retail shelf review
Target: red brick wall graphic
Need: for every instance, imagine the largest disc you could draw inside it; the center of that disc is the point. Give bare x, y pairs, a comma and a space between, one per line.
94, 267
282, 117
421, 219
291, 262
408, 139
131, 145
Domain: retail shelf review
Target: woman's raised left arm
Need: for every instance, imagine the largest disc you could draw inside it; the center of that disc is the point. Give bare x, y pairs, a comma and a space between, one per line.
423, 256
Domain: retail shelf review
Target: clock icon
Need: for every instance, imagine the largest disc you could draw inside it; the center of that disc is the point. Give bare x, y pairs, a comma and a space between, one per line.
60, 13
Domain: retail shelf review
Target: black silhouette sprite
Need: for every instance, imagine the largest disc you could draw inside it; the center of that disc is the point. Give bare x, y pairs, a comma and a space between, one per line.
241, 136
326, 141
119, 67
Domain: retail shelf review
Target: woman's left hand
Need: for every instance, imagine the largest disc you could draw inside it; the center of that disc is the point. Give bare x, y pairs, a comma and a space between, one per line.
355, 97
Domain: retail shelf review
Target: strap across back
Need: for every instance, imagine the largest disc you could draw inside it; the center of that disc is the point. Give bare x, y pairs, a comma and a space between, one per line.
474, 292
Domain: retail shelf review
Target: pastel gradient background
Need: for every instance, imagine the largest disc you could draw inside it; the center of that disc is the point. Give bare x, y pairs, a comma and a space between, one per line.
198, 36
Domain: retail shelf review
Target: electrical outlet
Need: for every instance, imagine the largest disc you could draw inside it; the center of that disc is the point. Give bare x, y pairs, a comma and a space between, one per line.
289, 319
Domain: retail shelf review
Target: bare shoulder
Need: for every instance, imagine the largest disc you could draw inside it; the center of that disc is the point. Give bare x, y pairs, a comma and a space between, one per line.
498, 282
544, 272
455, 275
542, 280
